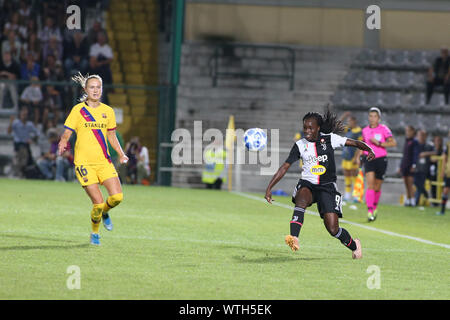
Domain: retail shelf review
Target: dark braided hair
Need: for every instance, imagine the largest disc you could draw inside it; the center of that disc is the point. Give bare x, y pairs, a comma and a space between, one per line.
328, 122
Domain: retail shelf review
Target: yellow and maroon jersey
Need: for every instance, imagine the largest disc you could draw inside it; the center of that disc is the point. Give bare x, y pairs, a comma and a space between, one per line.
91, 125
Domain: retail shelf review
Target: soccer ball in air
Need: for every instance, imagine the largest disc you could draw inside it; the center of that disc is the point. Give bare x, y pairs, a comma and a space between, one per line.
255, 139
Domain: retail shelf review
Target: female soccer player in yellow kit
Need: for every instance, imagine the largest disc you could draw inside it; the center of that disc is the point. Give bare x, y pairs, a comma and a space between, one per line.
93, 121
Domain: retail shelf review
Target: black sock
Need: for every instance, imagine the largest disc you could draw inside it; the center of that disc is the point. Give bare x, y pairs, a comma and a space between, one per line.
345, 239
297, 221
105, 215
444, 203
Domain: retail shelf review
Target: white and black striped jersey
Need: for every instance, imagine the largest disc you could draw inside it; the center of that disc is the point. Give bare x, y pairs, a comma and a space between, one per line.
319, 166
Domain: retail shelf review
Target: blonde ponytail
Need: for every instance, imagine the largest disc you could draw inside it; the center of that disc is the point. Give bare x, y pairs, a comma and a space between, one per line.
82, 81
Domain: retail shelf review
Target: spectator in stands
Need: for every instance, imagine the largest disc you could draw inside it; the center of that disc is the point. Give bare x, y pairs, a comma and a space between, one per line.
6, 11
32, 98
23, 132
30, 27
408, 164
94, 31
55, 9
100, 58
425, 151
30, 68
128, 170
43, 142
13, 45
138, 166
49, 31
24, 10
439, 75
143, 164
50, 159
32, 46
10, 70
53, 71
53, 47
50, 8
12, 24
49, 123
438, 148
76, 55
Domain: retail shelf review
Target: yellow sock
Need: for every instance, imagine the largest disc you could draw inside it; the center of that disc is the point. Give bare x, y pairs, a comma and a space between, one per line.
96, 217
112, 201
348, 184
352, 180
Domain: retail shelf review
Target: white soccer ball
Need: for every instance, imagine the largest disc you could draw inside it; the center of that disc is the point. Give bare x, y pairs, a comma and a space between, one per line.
255, 139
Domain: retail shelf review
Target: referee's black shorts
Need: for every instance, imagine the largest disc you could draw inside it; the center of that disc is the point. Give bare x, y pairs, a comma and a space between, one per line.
326, 196
377, 165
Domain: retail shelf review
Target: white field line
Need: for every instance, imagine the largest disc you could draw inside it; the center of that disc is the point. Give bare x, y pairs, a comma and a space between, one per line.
112, 235
394, 234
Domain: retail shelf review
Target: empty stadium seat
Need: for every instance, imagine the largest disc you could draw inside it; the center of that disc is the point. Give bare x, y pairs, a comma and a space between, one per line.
340, 98
417, 101
406, 79
417, 60
387, 80
393, 100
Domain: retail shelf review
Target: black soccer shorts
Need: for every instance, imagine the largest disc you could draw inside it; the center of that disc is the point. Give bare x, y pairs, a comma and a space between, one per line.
326, 196
378, 165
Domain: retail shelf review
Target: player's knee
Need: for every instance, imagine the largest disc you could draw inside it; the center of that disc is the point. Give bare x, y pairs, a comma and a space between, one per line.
332, 230
115, 199
96, 213
301, 203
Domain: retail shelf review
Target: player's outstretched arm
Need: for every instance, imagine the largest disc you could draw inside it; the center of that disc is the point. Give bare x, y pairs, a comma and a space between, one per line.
361, 146
276, 177
62, 145
112, 138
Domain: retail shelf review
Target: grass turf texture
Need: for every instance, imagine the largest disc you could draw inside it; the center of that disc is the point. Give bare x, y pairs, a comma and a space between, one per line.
171, 243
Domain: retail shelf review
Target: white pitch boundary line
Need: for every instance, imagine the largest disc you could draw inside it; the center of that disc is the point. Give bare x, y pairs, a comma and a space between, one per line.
394, 234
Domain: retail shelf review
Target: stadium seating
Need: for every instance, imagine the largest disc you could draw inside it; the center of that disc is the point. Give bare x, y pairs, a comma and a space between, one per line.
132, 29
134, 39
393, 80
266, 103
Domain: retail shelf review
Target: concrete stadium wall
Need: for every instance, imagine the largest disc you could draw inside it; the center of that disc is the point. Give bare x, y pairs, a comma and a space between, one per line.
266, 24
319, 26
414, 30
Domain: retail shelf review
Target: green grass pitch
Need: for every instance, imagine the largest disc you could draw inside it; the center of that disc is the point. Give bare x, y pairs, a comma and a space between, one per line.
171, 243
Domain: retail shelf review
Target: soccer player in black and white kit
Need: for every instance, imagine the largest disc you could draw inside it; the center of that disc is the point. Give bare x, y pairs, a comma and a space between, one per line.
318, 182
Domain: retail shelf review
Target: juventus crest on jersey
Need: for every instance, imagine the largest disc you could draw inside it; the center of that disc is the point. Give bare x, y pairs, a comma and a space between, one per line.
319, 166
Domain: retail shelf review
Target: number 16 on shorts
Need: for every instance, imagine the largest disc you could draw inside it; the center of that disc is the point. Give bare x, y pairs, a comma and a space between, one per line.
82, 172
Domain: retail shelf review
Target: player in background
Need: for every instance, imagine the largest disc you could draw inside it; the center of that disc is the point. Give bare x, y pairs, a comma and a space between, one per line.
349, 154
318, 181
93, 121
408, 164
378, 137
446, 176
